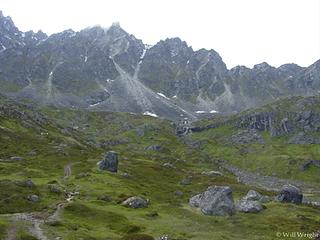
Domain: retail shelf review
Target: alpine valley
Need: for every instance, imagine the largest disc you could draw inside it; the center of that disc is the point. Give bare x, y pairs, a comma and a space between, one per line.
105, 137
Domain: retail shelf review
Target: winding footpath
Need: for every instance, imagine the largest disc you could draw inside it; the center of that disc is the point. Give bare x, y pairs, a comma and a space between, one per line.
35, 220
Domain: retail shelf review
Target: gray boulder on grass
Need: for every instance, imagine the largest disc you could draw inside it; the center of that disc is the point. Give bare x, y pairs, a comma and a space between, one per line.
136, 202
110, 162
253, 195
290, 194
185, 181
33, 198
216, 200
249, 206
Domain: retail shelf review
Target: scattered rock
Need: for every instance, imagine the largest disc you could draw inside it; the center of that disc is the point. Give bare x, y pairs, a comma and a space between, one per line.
136, 202
138, 237
105, 198
253, 195
290, 194
178, 193
125, 175
54, 188
71, 195
212, 173
32, 153
309, 163
249, 206
153, 148
216, 200
110, 162
311, 203
164, 237
83, 175
33, 198
168, 165
153, 214
246, 137
113, 142
16, 158
26, 183
186, 181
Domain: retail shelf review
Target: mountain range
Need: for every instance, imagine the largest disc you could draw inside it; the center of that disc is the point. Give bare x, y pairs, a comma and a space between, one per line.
111, 70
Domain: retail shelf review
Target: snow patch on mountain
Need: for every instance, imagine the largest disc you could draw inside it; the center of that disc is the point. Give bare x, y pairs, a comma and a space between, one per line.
147, 113
162, 95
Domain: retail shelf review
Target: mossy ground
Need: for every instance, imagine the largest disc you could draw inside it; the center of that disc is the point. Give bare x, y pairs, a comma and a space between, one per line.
87, 217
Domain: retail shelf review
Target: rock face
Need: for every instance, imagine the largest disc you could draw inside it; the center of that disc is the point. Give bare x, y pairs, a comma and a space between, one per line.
216, 200
249, 206
110, 162
290, 194
136, 202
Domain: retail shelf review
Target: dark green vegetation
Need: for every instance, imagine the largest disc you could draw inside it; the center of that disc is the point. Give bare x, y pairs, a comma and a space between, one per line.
49, 139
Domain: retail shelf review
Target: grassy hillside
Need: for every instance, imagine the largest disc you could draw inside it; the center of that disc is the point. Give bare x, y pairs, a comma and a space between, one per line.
79, 139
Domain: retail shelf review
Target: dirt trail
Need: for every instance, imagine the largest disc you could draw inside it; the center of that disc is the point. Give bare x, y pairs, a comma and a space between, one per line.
36, 219
34, 228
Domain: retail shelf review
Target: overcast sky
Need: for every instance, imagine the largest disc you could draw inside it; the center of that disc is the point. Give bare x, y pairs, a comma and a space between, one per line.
244, 32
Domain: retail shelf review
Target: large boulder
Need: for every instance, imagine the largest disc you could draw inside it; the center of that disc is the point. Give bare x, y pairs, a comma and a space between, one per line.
136, 202
290, 194
216, 200
249, 206
253, 195
110, 162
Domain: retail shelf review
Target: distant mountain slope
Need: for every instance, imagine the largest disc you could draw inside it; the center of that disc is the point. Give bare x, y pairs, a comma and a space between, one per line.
109, 69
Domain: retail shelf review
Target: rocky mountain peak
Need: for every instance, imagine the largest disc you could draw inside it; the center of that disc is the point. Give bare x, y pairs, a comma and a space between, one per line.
262, 66
290, 68
239, 70
116, 31
7, 25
